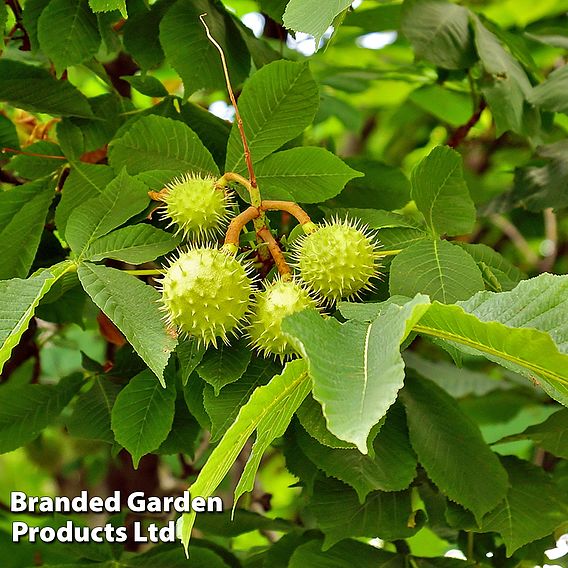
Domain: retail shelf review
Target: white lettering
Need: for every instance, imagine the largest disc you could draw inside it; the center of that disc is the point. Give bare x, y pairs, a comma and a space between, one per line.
136, 502
18, 502
19, 529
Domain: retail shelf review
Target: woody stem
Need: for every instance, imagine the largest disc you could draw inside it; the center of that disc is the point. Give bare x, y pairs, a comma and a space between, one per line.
276, 252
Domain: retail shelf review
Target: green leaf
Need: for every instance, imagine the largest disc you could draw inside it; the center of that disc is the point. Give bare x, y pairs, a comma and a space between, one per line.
506, 273
439, 32
382, 18
91, 416
147, 85
506, 86
277, 103
533, 508
184, 431
392, 468
190, 353
31, 13
28, 409
340, 515
109, 6
539, 187
438, 268
23, 210
190, 52
133, 307
158, 143
340, 555
18, 301
143, 414
365, 356
68, 33
141, 35
123, 198
551, 95
242, 522
551, 435
34, 89
135, 244
35, 167
220, 367
451, 448
522, 330
441, 194
305, 175
268, 411
8, 134
313, 17
382, 187
84, 182
224, 407
459, 383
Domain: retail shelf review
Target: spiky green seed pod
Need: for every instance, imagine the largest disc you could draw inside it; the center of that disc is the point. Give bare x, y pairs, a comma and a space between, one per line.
338, 260
278, 300
206, 294
196, 206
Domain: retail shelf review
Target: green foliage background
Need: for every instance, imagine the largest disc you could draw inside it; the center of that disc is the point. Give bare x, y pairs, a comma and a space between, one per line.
431, 417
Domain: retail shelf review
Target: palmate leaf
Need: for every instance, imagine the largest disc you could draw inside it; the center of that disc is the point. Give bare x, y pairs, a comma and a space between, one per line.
109, 6
305, 175
135, 244
159, 143
142, 414
524, 330
133, 307
450, 447
364, 356
268, 412
277, 103
441, 194
23, 210
123, 198
438, 268
312, 16
28, 409
68, 33
18, 301
32, 88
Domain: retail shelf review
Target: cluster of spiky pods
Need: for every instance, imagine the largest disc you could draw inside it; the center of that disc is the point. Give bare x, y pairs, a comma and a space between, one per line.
209, 293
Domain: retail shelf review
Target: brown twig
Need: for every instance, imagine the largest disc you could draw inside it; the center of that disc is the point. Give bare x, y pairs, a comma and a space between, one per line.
237, 224
516, 238
293, 208
283, 268
460, 134
238, 118
24, 153
551, 236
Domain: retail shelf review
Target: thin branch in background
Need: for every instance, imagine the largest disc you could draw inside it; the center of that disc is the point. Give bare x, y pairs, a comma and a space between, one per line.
460, 134
24, 153
550, 244
531, 258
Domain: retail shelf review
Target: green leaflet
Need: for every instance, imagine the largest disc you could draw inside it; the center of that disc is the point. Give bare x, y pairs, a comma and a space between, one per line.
135, 244
441, 194
159, 143
450, 447
142, 414
123, 198
365, 356
18, 301
277, 103
28, 409
435, 267
133, 307
23, 211
268, 411
312, 16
